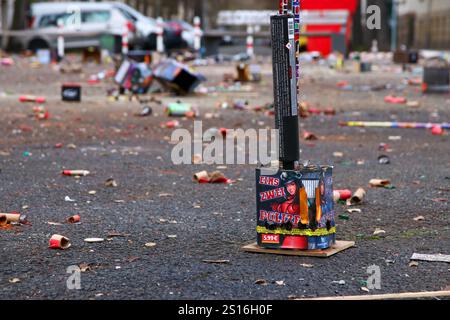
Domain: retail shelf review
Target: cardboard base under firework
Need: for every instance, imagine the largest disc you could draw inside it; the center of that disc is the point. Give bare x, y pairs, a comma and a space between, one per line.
318, 253
295, 208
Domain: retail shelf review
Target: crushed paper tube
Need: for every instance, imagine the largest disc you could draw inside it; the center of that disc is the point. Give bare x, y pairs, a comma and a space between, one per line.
74, 219
215, 177
201, 176
15, 217
379, 182
75, 172
59, 242
357, 197
3, 220
341, 195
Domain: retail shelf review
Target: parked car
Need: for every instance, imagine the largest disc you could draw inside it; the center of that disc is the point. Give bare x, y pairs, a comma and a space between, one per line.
184, 31
81, 24
147, 29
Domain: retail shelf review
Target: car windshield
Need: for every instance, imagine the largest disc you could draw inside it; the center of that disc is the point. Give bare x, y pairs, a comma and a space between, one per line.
127, 15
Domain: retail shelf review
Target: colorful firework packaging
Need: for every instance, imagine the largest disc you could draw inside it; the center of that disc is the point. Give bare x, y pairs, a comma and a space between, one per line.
295, 208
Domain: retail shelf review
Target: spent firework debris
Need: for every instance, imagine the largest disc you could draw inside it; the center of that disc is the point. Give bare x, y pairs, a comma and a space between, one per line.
401, 125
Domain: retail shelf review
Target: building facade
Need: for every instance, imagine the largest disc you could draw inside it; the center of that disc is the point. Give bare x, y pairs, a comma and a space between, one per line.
424, 24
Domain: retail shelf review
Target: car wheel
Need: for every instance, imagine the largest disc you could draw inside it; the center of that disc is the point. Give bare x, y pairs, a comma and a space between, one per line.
37, 44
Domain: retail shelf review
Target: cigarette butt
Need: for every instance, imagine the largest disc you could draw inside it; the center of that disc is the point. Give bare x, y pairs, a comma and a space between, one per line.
357, 197
3, 220
201, 176
75, 172
379, 182
59, 242
341, 194
74, 219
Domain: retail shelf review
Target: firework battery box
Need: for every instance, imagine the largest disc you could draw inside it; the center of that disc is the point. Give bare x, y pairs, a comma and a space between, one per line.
295, 208
294, 203
436, 76
71, 92
177, 76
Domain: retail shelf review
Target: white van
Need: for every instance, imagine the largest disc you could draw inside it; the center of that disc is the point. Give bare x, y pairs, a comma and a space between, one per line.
81, 23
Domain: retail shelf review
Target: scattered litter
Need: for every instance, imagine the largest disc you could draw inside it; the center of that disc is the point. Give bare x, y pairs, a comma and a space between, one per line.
344, 217
3, 220
92, 192
170, 124
30, 98
75, 173
384, 159
354, 210
309, 136
340, 282
431, 257
280, 283
74, 219
146, 111
419, 218
341, 195
54, 223
413, 104
177, 77
437, 131
111, 183
68, 199
379, 183
395, 100
179, 109
217, 261
84, 267
171, 236
261, 282
397, 125
14, 217
215, 177
378, 231
338, 154
413, 264
150, 244
383, 147
14, 280
439, 200
357, 197
116, 234
59, 242
94, 240
365, 289
305, 265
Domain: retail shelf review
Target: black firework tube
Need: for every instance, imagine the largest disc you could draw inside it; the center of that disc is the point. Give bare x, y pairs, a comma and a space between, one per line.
285, 88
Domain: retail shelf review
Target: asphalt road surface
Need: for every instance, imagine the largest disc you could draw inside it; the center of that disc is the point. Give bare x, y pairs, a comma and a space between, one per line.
156, 200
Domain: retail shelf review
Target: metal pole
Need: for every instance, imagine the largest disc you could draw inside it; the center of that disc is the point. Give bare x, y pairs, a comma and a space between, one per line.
394, 25
429, 33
